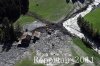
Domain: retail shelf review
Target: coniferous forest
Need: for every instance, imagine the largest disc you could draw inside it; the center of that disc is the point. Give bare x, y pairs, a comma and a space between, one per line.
10, 11
88, 30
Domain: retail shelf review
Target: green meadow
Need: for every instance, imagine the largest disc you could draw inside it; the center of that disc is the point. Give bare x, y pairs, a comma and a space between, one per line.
24, 20
90, 52
94, 18
27, 62
51, 10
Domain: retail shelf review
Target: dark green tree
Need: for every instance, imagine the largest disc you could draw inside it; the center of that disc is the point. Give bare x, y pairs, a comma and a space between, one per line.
10, 11
67, 1
24, 6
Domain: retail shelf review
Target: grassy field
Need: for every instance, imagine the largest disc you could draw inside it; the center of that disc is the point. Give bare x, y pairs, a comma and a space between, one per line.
90, 52
24, 20
94, 18
27, 62
52, 10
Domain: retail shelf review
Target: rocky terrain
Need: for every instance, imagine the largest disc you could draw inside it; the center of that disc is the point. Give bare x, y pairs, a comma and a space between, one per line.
51, 49
55, 45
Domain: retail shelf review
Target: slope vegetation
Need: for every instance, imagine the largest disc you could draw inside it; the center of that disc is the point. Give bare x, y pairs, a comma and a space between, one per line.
94, 18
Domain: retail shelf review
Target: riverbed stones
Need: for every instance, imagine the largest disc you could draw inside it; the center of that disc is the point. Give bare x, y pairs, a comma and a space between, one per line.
54, 45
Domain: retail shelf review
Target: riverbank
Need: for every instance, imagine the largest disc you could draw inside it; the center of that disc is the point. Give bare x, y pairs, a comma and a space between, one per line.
55, 45
71, 24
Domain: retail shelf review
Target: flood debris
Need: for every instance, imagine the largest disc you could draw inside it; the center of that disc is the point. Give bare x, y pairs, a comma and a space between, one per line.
25, 39
35, 36
25, 42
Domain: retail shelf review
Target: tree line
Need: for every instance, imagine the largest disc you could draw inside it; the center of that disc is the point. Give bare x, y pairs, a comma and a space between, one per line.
81, 1
10, 11
89, 31
74, 1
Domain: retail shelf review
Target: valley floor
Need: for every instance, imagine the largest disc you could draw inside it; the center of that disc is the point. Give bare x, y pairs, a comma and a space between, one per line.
57, 45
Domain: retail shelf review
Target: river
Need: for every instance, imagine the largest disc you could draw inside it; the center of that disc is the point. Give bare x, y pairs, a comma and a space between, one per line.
71, 24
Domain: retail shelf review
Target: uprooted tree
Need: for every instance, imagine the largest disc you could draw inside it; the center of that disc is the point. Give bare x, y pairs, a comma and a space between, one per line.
10, 11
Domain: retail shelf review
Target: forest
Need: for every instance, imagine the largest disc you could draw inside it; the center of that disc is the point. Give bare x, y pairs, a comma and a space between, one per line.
89, 31
10, 11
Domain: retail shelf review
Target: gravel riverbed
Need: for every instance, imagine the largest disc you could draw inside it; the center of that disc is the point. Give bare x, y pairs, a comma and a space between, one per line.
49, 46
